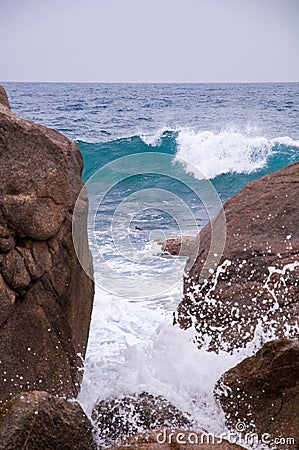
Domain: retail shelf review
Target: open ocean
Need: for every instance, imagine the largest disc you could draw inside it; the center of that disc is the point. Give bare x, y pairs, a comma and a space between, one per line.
162, 158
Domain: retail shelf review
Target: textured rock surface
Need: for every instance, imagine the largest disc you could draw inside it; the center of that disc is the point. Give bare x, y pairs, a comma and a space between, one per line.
172, 439
263, 391
39, 421
179, 245
124, 416
257, 278
3, 98
45, 296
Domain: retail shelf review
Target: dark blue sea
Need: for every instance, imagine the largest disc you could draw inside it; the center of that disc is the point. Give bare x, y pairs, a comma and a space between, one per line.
160, 159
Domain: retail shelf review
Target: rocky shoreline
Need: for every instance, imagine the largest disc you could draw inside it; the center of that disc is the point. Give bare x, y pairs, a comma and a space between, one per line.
255, 282
46, 302
46, 297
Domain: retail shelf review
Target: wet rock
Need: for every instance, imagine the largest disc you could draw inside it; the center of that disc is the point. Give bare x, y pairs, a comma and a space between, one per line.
256, 280
179, 245
175, 439
45, 295
37, 420
262, 392
124, 416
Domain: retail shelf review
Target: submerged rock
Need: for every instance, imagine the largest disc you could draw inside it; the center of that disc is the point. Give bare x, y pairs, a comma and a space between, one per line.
256, 281
175, 439
45, 296
37, 420
179, 245
262, 392
124, 416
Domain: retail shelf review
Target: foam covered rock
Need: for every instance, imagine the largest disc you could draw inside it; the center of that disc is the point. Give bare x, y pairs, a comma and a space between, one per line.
255, 284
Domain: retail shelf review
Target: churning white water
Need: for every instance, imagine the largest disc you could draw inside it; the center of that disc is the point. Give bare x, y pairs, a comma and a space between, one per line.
134, 347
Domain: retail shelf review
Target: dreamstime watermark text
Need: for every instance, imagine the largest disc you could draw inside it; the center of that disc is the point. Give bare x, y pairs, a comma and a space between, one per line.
239, 436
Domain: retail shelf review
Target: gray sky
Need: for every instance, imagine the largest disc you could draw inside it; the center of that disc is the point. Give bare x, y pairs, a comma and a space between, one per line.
149, 40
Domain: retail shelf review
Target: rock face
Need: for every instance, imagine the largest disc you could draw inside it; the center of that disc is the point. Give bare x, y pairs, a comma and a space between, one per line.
122, 417
45, 296
175, 439
3, 98
37, 420
256, 281
179, 245
263, 392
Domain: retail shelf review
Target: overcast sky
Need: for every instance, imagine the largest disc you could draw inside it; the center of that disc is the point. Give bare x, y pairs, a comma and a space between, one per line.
149, 40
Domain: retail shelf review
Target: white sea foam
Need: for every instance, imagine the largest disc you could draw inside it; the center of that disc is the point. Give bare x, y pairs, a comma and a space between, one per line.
225, 152
285, 140
133, 344
228, 151
154, 139
283, 276
134, 347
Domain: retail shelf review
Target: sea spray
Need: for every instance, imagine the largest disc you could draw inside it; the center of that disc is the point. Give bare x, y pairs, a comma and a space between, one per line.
228, 131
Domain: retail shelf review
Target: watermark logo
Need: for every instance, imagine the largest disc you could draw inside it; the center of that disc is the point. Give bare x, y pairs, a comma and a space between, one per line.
239, 436
119, 192
240, 427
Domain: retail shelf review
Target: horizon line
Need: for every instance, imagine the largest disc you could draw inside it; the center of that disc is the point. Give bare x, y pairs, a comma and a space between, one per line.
148, 82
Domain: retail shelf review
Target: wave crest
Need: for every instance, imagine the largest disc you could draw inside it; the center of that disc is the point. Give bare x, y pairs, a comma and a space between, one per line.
225, 152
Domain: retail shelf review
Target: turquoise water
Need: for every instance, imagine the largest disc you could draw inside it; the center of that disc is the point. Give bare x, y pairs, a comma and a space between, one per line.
161, 158
247, 130
183, 170
260, 157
